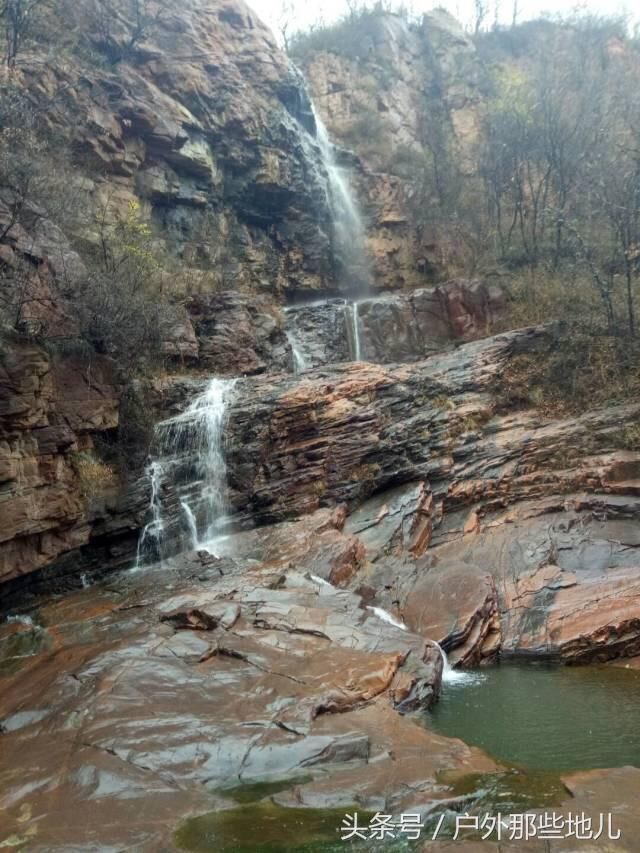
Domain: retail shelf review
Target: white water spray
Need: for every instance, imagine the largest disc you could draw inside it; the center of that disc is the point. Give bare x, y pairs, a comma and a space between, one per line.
152, 531
191, 523
320, 581
455, 676
349, 232
192, 467
353, 330
19, 619
385, 616
299, 361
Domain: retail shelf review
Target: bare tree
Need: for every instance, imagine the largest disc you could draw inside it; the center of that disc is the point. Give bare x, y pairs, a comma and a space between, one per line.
285, 17
18, 16
481, 10
35, 172
119, 29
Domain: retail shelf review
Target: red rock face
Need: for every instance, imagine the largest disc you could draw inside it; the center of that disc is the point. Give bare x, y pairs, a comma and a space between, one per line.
49, 411
506, 534
202, 123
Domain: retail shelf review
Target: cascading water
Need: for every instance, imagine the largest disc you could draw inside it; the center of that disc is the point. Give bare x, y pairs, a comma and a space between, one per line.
455, 676
348, 242
449, 674
188, 478
151, 535
385, 616
349, 232
353, 331
299, 361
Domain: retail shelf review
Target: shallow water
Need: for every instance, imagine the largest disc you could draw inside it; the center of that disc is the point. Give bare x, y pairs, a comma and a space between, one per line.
264, 828
546, 718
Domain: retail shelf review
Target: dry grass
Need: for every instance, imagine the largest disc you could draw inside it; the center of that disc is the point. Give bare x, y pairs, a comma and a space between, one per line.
96, 477
580, 371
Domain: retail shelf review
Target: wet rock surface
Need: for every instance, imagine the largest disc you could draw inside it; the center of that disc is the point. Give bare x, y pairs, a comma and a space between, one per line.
491, 531
148, 698
514, 533
409, 508
339, 434
238, 335
394, 327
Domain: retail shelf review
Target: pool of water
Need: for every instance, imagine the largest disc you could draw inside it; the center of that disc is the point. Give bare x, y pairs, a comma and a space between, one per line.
265, 827
540, 721
546, 718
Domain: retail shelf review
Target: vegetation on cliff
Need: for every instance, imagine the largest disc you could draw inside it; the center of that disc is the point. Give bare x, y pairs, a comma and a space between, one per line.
522, 163
520, 160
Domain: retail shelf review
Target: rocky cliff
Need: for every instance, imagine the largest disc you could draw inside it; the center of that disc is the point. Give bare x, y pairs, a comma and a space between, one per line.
202, 122
385, 491
197, 119
407, 97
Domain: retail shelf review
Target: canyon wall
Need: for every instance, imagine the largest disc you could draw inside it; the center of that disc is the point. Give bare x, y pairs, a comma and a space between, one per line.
205, 125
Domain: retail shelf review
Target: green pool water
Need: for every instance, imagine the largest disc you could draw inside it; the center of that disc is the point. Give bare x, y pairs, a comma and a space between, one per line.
264, 827
546, 718
540, 721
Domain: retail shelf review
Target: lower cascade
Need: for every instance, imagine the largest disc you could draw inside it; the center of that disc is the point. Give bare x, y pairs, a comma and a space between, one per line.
299, 361
455, 676
188, 478
325, 331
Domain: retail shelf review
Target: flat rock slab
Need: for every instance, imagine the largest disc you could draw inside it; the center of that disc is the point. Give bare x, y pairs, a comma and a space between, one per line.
174, 690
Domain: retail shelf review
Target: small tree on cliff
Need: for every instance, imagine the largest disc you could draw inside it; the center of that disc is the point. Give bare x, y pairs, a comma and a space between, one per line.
118, 29
37, 189
123, 308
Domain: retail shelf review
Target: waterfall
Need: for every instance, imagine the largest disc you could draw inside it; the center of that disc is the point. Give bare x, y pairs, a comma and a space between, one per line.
449, 674
349, 231
353, 331
299, 361
188, 478
150, 537
21, 620
192, 524
387, 617
456, 676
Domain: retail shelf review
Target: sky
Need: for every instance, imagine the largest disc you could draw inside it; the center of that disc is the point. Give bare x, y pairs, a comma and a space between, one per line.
304, 13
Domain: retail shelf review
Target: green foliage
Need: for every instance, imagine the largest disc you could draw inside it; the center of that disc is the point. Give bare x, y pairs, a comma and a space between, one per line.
123, 306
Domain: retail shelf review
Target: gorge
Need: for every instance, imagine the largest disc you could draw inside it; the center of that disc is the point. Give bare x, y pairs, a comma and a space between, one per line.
295, 502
